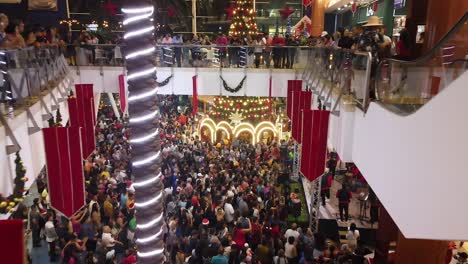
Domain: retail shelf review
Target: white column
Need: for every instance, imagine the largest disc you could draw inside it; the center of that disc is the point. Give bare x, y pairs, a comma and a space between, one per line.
194, 16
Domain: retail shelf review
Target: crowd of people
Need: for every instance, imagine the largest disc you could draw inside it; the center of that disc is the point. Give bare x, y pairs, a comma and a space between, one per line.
227, 202
261, 50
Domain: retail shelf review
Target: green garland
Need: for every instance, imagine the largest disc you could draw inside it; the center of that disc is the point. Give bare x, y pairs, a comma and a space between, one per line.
233, 90
165, 82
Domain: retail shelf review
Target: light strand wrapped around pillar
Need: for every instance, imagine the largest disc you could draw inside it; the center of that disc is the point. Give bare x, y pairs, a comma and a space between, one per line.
144, 123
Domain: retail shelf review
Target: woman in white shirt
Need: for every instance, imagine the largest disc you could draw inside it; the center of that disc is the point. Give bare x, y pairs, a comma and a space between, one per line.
290, 251
352, 236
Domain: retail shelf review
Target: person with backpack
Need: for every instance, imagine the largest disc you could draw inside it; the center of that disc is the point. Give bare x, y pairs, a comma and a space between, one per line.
344, 197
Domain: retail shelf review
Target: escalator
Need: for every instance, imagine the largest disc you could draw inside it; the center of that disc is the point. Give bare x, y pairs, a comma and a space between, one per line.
411, 139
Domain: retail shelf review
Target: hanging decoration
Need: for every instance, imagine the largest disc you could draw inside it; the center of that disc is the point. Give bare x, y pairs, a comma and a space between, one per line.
7, 204
354, 8
235, 89
165, 82
110, 7
58, 118
194, 95
375, 6
286, 12
236, 118
243, 22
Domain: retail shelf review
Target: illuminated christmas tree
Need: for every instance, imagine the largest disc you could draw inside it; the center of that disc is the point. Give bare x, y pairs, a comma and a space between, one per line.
243, 21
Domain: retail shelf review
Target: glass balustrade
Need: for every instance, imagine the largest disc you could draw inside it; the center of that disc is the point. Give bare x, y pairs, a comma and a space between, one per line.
204, 56
407, 85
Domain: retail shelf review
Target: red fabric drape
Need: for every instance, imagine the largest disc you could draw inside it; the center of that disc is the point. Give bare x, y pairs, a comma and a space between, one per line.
270, 101
195, 96
64, 168
12, 241
305, 103
314, 147
73, 111
296, 110
307, 116
289, 99
86, 116
122, 93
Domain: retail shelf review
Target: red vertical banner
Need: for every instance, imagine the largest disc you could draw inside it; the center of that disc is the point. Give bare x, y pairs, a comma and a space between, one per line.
304, 103
296, 114
307, 116
86, 116
12, 241
122, 93
195, 95
73, 111
318, 146
289, 99
64, 169
322, 144
270, 101
89, 128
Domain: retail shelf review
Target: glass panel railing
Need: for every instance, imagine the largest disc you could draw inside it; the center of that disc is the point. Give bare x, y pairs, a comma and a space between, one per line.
26, 74
407, 85
204, 56
339, 72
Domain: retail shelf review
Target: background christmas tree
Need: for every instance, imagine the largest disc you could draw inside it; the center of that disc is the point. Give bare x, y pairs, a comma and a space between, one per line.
20, 178
58, 118
243, 21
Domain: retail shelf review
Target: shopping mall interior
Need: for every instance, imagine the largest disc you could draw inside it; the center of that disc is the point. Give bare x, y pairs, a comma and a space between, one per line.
233, 131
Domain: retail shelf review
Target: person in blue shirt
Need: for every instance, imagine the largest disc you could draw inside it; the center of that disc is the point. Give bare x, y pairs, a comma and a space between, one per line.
220, 258
177, 41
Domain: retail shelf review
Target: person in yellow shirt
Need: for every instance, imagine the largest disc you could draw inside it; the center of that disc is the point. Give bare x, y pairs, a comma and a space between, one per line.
108, 208
105, 175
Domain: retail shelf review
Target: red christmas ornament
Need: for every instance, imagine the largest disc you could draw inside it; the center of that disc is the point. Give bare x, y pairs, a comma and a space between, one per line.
111, 8
171, 11
229, 12
286, 12
306, 2
375, 6
226, 105
238, 106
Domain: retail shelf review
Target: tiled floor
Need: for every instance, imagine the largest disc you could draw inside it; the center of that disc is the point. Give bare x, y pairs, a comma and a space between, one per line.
40, 255
330, 211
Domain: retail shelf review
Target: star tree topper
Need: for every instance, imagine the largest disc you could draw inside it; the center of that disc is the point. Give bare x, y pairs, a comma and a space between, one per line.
236, 118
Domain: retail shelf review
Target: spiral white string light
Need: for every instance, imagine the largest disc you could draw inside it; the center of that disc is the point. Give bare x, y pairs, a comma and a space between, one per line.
151, 253
150, 238
150, 223
143, 95
145, 138
137, 18
140, 53
139, 32
144, 118
141, 73
137, 10
146, 161
146, 182
149, 202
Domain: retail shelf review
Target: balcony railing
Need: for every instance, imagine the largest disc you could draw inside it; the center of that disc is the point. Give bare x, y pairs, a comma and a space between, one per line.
28, 73
206, 56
